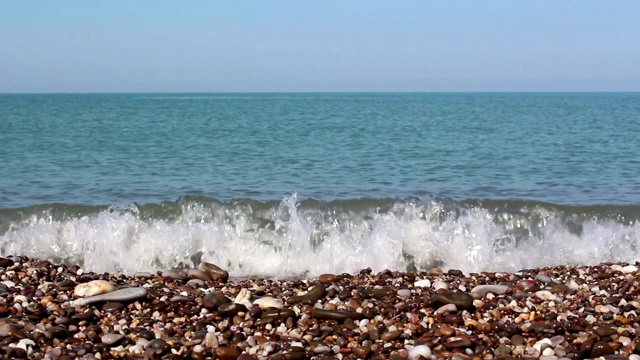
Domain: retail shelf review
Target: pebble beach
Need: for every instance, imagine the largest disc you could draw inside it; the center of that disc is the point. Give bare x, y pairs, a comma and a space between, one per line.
52, 311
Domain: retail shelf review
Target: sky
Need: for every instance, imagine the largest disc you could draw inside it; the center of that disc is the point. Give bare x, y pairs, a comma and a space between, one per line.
316, 46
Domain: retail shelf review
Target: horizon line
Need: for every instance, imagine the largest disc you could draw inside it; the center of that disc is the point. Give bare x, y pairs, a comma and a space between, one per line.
322, 92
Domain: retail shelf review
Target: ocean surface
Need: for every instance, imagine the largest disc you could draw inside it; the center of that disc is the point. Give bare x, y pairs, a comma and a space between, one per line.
288, 185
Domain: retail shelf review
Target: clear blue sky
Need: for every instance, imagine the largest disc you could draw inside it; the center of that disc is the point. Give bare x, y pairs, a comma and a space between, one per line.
202, 46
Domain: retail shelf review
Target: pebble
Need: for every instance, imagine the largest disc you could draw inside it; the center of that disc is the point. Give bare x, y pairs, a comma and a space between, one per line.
311, 297
390, 335
214, 272
231, 309
335, 314
362, 351
197, 274
227, 353
446, 309
404, 293
601, 349
158, 345
95, 287
112, 306
440, 285
268, 301
462, 300
244, 298
5, 262
322, 349
348, 316
212, 301
7, 328
545, 279
111, 339
420, 350
482, 290
126, 294
327, 279
175, 274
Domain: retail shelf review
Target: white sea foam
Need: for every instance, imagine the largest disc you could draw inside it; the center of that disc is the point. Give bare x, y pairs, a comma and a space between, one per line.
410, 236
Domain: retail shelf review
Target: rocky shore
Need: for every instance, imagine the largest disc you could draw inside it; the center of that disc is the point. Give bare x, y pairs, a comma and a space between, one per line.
50, 311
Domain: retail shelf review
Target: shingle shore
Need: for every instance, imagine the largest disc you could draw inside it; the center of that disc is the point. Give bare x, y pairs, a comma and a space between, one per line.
549, 313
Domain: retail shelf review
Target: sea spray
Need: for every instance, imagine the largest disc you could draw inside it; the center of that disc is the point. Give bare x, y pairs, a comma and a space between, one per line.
294, 238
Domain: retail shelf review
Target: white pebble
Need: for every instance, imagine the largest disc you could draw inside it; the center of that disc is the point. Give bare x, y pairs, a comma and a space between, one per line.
24, 343
268, 301
446, 309
629, 269
545, 295
437, 285
244, 298
548, 357
538, 344
624, 340
322, 349
23, 299
404, 293
420, 350
482, 290
95, 287
422, 283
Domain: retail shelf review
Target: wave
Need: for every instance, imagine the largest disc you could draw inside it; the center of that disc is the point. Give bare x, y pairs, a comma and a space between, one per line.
290, 238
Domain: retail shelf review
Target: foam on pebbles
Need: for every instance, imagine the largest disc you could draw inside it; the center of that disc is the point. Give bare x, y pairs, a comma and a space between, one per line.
581, 312
95, 287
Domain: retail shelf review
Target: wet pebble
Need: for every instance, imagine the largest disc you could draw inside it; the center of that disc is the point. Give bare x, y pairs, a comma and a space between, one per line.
111, 339
214, 271
461, 300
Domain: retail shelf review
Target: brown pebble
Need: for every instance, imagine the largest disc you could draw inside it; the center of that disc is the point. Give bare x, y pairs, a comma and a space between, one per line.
390, 335
605, 331
462, 301
112, 307
247, 357
383, 292
457, 342
294, 353
227, 353
446, 330
335, 314
230, 309
327, 279
212, 301
362, 351
214, 271
601, 349
316, 293
5, 263
454, 272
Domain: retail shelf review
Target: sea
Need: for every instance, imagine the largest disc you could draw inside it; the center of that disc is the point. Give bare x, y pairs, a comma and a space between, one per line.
287, 185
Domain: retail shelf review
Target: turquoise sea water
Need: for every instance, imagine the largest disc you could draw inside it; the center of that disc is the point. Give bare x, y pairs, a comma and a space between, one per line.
128, 181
